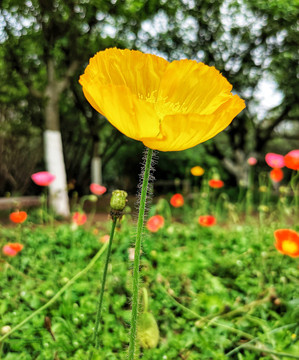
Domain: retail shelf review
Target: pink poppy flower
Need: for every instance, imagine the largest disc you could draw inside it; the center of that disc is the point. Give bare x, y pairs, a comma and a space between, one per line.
97, 189
12, 249
79, 218
155, 223
292, 160
252, 161
43, 178
275, 161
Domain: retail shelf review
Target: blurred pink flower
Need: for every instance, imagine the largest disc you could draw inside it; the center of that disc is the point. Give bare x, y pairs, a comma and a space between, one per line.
43, 178
275, 161
252, 161
97, 189
12, 249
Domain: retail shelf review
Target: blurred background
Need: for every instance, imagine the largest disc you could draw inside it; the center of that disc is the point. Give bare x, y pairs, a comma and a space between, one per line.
46, 45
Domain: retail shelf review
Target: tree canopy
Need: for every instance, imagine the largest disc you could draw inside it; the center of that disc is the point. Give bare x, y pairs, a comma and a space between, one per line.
247, 40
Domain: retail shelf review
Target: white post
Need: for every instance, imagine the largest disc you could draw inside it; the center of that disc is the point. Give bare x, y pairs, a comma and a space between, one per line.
96, 170
55, 165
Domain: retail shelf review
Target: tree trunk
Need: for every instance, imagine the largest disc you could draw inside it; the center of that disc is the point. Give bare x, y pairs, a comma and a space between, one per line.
96, 166
53, 146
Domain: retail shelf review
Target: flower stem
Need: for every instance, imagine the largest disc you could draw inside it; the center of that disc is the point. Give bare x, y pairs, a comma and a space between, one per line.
57, 295
95, 339
140, 221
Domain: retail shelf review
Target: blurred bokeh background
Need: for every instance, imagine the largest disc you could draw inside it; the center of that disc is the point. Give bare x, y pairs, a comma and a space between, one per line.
46, 45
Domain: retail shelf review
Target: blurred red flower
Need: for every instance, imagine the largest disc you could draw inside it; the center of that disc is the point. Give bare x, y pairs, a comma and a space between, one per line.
18, 217
287, 242
216, 184
292, 160
276, 175
274, 160
43, 178
97, 189
177, 200
12, 249
207, 220
79, 218
155, 223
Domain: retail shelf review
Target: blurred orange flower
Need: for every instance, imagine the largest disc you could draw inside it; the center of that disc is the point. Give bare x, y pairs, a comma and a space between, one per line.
207, 220
168, 106
177, 200
79, 218
18, 217
291, 160
155, 223
12, 249
276, 175
216, 184
104, 239
197, 171
287, 242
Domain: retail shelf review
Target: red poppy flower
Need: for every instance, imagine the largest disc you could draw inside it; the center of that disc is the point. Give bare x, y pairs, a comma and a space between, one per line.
12, 249
291, 160
276, 175
287, 242
97, 189
216, 184
18, 217
79, 218
177, 200
43, 178
207, 220
275, 161
155, 223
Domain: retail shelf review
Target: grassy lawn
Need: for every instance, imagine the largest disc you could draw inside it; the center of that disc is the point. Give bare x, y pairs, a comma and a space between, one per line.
210, 289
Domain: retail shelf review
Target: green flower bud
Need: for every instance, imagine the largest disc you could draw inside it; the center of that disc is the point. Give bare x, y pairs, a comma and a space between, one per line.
148, 331
118, 200
93, 198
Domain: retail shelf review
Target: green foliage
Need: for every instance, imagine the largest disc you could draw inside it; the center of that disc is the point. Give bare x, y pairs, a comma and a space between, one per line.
195, 277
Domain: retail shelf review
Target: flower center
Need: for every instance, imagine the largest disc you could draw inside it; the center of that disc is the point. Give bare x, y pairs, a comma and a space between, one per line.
289, 246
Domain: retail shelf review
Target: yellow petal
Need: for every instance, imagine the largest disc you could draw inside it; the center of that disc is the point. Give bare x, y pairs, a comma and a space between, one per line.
133, 117
183, 131
141, 73
191, 87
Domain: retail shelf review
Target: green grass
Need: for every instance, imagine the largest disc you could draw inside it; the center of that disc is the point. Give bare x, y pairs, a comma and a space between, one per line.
231, 275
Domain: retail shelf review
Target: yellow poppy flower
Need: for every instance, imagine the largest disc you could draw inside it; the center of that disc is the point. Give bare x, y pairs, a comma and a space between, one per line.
168, 106
197, 171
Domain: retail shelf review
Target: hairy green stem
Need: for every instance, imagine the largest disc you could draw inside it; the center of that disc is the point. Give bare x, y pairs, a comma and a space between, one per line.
56, 296
140, 221
95, 339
